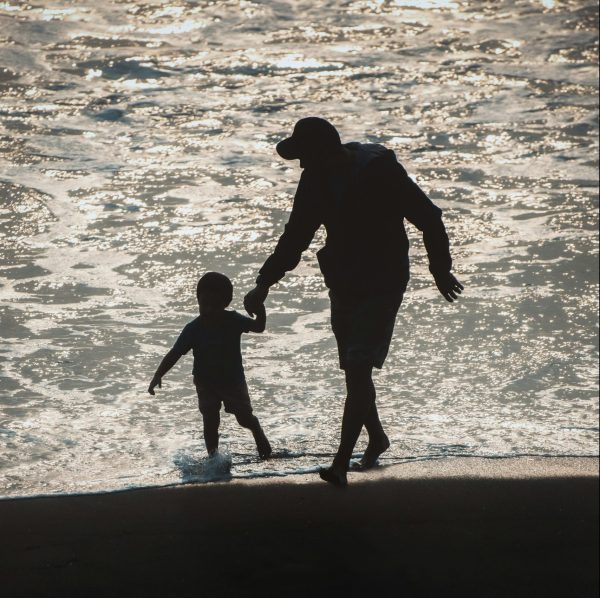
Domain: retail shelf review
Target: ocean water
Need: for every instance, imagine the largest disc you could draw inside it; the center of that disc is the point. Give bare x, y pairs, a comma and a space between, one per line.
137, 151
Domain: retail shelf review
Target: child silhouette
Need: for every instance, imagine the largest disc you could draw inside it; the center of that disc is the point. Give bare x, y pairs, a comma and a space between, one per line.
214, 336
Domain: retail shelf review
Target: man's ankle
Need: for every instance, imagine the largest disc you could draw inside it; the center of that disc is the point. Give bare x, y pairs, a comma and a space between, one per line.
340, 464
379, 438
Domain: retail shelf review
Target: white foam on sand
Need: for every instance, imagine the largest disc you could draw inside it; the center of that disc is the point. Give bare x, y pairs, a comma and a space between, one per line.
213, 468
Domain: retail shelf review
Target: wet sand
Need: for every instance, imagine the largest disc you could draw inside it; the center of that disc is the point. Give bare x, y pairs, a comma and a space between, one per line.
457, 527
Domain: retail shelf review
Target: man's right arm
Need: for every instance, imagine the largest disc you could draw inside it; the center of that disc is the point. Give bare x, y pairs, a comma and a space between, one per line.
299, 231
303, 222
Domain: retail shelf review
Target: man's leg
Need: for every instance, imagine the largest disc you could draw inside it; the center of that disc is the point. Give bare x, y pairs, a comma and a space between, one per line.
373, 424
359, 402
378, 440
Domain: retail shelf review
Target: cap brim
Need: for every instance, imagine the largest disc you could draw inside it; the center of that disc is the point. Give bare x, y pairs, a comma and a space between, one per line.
288, 149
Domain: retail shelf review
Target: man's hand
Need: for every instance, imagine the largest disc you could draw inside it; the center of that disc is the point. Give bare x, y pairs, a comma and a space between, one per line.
156, 381
255, 299
448, 286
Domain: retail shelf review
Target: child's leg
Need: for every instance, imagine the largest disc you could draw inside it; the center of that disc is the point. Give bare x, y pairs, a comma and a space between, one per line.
211, 420
209, 404
247, 420
237, 402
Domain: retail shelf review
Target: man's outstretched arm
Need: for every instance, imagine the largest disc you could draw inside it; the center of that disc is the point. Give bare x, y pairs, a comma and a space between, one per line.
299, 231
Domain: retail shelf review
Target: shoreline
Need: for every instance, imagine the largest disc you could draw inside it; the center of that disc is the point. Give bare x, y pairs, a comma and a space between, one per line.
520, 466
459, 526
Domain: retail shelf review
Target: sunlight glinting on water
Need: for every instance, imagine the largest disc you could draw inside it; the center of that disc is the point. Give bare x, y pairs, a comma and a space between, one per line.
137, 152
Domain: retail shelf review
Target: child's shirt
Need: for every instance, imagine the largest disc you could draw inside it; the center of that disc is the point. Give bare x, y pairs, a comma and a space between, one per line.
216, 347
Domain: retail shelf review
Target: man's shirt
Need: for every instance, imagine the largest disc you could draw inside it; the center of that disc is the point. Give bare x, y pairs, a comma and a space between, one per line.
216, 347
363, 207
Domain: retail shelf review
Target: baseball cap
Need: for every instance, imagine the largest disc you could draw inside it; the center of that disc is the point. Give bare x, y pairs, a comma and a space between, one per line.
311, 135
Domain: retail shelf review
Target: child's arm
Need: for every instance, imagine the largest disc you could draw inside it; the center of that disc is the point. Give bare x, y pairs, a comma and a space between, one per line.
169, 360
260, 323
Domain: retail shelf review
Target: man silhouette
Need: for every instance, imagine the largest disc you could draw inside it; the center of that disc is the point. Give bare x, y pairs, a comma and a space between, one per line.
361, 194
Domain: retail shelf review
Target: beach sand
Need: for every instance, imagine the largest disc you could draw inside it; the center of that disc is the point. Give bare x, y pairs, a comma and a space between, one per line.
452, 527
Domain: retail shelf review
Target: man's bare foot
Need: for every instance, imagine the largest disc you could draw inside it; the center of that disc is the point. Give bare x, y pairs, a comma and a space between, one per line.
374, 449
335, 477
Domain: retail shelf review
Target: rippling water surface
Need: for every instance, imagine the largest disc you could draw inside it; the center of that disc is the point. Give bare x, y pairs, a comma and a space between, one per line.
137, 151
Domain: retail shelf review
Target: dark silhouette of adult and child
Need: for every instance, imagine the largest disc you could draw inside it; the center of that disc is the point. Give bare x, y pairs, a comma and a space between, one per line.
361, 194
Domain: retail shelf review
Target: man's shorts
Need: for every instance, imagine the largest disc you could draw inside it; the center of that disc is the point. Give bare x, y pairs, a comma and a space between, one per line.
363, 326
234, 397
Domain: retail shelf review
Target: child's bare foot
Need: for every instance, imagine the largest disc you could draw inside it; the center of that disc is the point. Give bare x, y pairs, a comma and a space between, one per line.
334, 476
262, 444
374, 450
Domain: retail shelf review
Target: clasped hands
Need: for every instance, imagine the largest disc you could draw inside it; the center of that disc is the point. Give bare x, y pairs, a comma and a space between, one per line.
255, 299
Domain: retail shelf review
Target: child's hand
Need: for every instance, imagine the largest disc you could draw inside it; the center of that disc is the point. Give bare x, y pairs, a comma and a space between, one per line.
260, 322
255, 299
156, 381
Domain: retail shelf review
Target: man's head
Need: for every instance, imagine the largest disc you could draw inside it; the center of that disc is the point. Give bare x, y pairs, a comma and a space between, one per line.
214, 292
314, 141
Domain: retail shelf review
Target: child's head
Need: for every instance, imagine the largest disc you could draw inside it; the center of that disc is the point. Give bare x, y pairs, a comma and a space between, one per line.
214, 292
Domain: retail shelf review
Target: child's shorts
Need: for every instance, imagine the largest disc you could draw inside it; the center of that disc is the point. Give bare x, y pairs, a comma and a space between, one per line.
234, 397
